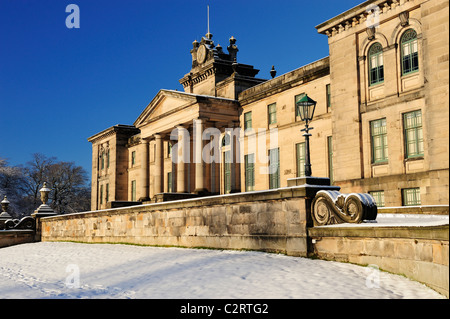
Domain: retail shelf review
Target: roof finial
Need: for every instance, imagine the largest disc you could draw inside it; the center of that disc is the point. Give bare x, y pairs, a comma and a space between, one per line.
273, 72
208, 35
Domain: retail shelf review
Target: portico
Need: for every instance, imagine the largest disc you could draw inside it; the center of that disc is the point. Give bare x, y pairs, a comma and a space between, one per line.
180, 158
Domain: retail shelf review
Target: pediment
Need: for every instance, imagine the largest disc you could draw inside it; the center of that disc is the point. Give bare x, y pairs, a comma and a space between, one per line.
166, 102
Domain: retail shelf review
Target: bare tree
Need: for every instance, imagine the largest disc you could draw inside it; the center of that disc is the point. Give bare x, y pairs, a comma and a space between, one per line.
12, 185
36, 172
68, 182
69, 185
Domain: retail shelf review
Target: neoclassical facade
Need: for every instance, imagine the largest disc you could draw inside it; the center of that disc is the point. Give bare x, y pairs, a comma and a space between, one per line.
380, 124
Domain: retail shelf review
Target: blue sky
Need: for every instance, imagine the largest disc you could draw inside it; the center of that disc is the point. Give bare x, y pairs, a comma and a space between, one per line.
59, 86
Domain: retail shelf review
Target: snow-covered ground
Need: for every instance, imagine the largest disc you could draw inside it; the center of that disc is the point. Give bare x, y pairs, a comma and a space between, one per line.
72, 270
394, 220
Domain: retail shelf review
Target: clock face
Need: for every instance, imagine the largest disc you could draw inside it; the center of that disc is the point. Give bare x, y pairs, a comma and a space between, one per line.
201, 54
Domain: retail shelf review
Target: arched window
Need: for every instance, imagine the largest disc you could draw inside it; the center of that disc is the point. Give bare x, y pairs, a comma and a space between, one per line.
376, 64
409, 52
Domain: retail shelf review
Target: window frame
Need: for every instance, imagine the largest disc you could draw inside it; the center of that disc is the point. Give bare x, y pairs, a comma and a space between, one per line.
169, 182
102, 161
101, 194
133, 190
247, 120
227, 171
382, 137
418, 142
413, 46
415, 192
378, 196
272, 113
169, 150
249, 171
379, 68
133, 158
274, 178
299, 148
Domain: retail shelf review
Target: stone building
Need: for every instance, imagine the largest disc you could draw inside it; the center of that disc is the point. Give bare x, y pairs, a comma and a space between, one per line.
381, 124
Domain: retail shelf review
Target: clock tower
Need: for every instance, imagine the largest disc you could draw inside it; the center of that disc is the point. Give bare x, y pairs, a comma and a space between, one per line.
216, 73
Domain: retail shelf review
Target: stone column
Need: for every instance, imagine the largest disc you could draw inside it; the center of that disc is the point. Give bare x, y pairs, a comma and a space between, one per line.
235, 156
144, 175
174, 167
198, 160
183, 156
159, 169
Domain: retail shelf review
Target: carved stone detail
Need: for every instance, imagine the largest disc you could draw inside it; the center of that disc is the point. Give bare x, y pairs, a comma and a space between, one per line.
404, 18
27, 222
363, 14
370, 33
332, 207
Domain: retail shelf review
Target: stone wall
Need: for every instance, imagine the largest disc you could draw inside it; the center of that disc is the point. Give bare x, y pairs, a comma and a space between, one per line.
273, 220
419, 253
15, 237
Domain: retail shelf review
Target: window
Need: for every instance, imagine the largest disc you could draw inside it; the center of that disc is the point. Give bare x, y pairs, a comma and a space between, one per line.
107, 193
107, 158
133, 191
376, 67
247, 120
169, 149
328, 89
133, 158
297, 98
411, 196
101, 194
412, 123
227, 172
378, 133
272, 113
169, 182
379, 197
330, 158
409, 52
274, 168
300, 153
226, 140
249, 172
102, 160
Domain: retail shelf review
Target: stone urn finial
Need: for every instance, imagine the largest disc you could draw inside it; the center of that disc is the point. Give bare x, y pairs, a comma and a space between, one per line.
5, 204
4, 216
273, 72
44, 210
44, 193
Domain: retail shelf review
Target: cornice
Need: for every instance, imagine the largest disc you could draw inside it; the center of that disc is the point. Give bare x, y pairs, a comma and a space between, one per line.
302, 75
119, 128
360, 14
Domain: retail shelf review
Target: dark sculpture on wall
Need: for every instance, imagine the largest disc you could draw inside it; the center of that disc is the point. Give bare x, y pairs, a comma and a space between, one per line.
332, 207
27, 222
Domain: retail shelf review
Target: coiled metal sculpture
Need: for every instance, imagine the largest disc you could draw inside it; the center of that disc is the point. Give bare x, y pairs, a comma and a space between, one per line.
27, 222
332, 207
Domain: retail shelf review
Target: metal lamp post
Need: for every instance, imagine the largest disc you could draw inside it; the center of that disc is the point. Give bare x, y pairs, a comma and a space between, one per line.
306, 107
